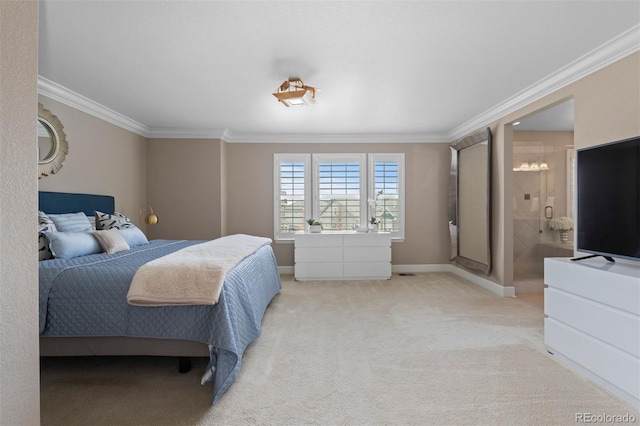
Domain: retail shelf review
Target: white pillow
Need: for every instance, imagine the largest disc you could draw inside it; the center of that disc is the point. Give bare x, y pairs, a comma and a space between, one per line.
111, 241
92, 221
71, 222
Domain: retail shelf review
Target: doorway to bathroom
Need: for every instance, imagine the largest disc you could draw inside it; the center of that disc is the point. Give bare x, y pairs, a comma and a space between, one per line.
543, 193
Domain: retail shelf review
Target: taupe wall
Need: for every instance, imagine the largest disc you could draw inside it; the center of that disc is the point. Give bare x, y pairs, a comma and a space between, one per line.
224, 189
103, 159
185, 188
19, 360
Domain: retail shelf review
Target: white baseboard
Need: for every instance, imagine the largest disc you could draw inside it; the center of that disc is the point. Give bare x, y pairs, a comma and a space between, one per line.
475, 279
416, 269
495, 288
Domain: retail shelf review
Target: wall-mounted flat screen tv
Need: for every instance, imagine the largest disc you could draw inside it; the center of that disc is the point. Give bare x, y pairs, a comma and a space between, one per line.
608, 195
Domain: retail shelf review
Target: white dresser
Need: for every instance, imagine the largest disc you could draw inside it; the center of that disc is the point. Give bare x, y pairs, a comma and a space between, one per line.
593, 321
342, 256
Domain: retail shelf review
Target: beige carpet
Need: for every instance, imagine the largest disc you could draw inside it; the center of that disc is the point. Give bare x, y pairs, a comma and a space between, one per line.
429, 349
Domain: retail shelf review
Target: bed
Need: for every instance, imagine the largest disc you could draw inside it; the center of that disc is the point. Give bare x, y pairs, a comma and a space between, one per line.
84, 308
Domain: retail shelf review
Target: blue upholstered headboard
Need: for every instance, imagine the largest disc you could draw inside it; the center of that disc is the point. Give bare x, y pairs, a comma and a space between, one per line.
66, 202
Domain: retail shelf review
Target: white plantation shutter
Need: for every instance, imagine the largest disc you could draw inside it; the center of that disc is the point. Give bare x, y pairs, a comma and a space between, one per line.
292, 194
386, 187
339, 186
335, 189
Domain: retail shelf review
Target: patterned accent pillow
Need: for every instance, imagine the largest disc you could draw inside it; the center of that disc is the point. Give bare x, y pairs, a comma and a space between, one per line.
44, 252
43, 219
45, 224
112, 221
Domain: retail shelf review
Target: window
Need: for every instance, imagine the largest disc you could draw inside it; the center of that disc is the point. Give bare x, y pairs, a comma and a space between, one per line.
343, 191
338, 190
293, 193
386, 189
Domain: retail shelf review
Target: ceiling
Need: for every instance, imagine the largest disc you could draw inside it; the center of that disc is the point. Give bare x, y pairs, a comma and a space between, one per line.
556, 118
386, 70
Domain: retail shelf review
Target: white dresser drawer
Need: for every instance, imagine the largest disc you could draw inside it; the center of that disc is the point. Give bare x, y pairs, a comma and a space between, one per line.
318, 254
613, 326
319, 240
617, 286
367, 254
615, 366
318, 271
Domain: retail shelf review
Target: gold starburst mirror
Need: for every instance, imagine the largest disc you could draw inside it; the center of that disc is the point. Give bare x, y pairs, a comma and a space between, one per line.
52, 143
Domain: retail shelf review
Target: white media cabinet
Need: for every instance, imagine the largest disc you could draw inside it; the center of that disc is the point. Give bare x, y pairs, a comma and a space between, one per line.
593, 321
344, 255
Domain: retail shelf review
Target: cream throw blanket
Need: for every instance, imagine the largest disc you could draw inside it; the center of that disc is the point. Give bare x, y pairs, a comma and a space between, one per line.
193, 275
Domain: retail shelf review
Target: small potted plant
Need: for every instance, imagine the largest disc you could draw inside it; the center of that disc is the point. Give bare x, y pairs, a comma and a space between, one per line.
373, 224
563, 225
314, 226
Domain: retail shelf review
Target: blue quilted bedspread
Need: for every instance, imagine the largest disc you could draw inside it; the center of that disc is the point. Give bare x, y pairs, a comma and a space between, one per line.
87, 296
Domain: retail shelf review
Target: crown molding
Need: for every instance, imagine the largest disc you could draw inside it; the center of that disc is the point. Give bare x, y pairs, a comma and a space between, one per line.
606, 54
179, 133
236, 137
612, 51
68, 97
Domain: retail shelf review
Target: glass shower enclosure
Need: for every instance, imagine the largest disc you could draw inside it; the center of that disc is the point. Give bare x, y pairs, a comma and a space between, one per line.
543, 182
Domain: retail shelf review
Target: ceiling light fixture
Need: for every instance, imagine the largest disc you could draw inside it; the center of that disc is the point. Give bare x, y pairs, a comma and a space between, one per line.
295, 92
